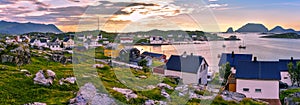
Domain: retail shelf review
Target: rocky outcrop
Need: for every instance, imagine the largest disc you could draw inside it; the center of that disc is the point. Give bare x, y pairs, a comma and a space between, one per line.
44, 78
155, 102
87, 95
70, 80
163, 85
59, 58
253, 27
127, 92
232, 96
36, 103
18, 56
290, 99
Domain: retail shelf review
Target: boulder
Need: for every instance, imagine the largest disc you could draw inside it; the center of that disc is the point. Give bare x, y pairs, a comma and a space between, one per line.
26, 72
51, 74
98, 66
165, 94
87, 95
41, 79
127, 92
36, 103
163, 85
70, 80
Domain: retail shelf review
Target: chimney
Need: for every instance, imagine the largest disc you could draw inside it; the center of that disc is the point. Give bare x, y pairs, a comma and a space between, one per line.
292, 59
255, 59
232, 54
184, 55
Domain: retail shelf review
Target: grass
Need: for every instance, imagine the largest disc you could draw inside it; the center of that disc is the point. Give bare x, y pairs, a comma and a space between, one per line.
17, 89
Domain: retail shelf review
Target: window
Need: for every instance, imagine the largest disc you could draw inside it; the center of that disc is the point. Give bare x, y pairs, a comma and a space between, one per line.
285, 77
246, 89
258, 90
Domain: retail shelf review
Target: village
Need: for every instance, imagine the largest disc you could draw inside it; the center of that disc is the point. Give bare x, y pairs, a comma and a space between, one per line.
240, 76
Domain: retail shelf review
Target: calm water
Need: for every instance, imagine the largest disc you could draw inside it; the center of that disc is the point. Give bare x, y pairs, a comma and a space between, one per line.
263, 48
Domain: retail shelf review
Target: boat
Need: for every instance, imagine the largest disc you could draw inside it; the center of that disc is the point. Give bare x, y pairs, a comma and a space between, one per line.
242, 46
223, 45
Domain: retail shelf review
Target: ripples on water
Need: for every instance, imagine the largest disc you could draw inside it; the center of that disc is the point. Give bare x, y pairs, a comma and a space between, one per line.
263, 48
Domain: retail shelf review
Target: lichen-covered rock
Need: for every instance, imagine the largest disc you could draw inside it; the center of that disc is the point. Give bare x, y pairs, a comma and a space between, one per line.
70, 80
127, 92
36, 103
41, 79
163, 85
87, 95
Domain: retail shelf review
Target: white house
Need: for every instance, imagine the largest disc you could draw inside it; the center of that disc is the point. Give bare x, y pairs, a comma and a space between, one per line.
190, 68
54, 46
124, 40
156, 40
283, 66
38, 42
68, 43
258, 79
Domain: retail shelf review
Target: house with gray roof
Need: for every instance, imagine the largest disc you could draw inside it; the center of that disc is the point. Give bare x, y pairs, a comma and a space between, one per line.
192, 69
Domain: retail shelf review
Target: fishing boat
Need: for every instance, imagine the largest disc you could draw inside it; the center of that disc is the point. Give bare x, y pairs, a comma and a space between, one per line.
242, 46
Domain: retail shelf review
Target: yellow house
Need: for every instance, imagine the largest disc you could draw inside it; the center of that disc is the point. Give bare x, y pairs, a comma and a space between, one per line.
113, 50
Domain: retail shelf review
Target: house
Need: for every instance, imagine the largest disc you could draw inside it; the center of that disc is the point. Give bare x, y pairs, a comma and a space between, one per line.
68, 43
112, 50
9, 40
190, 68
55, 40
124, 40
156, 40
38, 42
80, 37
258, 79
233, 58
283, 67
160, 57
54, 46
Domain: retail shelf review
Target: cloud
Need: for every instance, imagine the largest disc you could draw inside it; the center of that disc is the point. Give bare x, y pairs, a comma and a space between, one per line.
212, 0
217, 5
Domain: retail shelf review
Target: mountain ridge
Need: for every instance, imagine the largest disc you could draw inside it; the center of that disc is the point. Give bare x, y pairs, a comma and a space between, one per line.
21, 28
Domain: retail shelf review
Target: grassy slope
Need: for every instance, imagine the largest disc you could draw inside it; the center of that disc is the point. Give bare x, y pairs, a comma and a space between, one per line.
16, 88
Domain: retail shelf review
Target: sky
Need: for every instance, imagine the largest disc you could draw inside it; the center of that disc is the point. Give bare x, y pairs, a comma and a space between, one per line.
144, 15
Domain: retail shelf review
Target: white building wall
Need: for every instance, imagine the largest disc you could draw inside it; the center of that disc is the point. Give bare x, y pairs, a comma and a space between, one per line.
189, 78
173, 73
269, 88
203, 73
286, 78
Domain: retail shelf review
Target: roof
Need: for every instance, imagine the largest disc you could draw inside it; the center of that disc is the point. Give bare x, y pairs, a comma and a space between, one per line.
261, 70
53, 40
283, 63
32, 40
43, 40
156, 55
233, 60
66, 39
188, 64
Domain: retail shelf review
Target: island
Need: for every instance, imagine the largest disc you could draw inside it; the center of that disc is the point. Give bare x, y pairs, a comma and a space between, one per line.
283, 36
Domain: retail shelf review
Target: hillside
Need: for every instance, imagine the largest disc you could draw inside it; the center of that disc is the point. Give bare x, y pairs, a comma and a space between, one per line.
21, 28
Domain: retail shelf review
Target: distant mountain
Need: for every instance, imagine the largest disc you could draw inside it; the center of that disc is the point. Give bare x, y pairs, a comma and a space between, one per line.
21, 28
253, 27
230, 30
279, 29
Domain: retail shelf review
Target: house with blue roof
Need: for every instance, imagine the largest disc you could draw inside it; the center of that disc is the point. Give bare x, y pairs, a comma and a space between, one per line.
160, 57
258, 79
191, 69
283, 67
